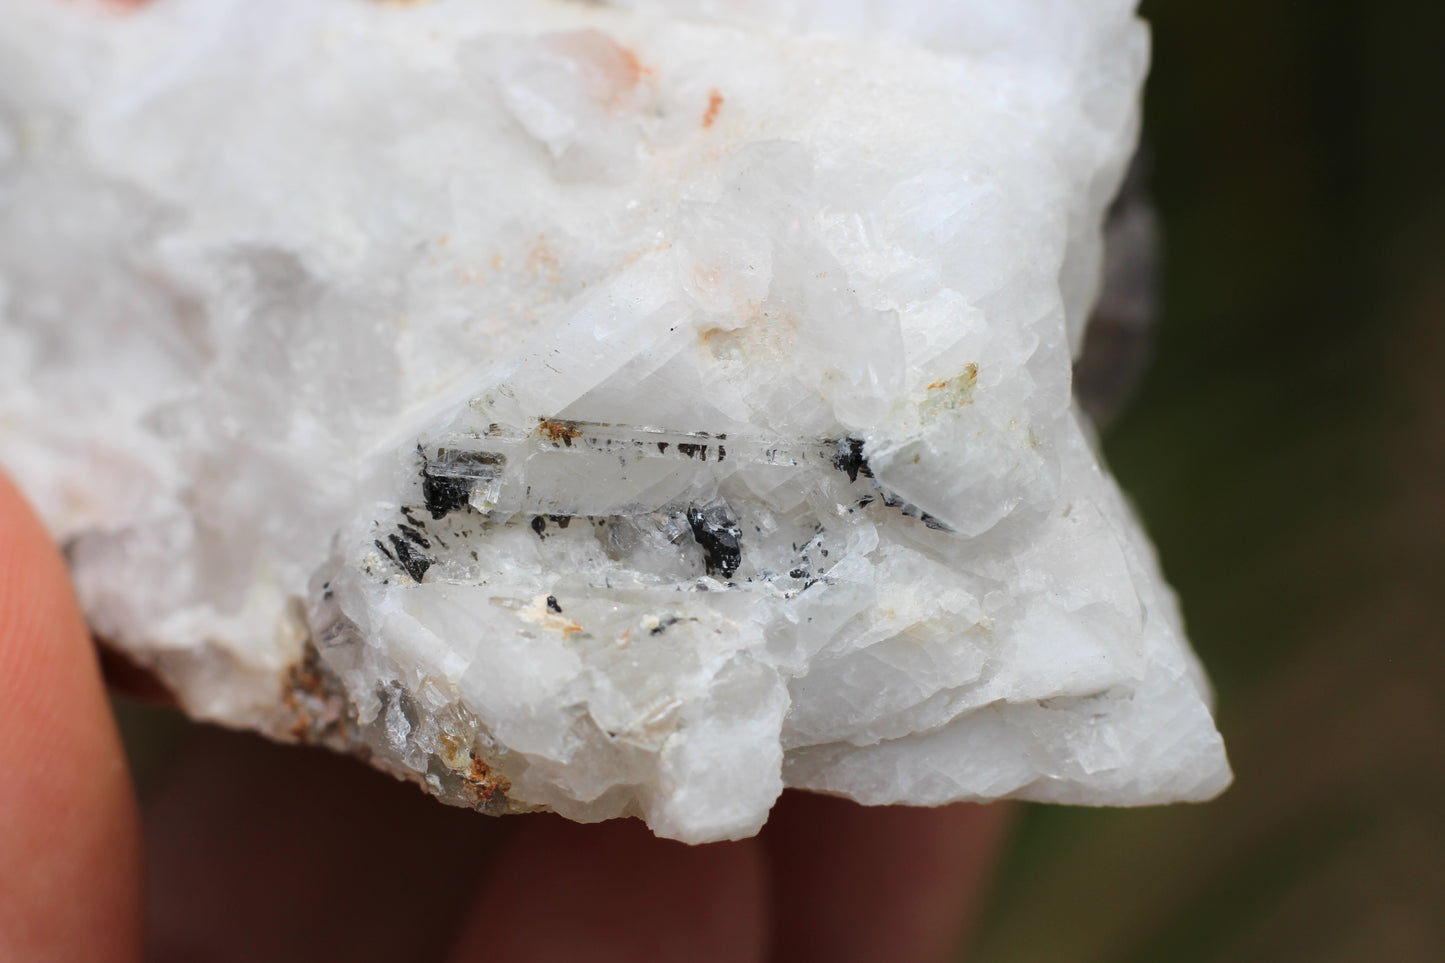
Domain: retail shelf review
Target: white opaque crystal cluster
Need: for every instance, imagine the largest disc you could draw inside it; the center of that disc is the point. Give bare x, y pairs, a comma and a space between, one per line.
613, 408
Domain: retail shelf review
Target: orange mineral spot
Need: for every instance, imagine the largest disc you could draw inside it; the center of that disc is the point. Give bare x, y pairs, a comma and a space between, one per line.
559, 431
485, 782
609, 72
714, 104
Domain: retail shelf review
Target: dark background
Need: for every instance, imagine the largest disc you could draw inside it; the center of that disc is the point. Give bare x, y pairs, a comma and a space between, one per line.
1286, 447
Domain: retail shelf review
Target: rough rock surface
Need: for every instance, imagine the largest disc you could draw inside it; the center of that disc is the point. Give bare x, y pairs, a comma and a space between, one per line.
618, 409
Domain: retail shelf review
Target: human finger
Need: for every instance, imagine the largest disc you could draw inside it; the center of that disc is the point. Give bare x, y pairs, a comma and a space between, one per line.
258, 851
69, 843
614, 893
856, 883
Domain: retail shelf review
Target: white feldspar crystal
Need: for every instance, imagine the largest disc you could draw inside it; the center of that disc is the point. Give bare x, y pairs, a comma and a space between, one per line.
617, 409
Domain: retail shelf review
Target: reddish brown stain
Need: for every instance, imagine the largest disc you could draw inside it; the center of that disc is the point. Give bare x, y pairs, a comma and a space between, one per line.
318, 710
486, 782
714, 104
303, 680
559, 431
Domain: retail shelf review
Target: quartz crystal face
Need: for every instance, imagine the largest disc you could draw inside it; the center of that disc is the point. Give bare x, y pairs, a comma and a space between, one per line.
619, 409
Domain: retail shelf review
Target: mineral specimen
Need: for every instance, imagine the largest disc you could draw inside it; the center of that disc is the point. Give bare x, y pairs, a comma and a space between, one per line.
617, 409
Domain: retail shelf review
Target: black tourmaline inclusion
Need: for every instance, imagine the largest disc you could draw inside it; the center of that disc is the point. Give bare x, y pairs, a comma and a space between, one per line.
716, 530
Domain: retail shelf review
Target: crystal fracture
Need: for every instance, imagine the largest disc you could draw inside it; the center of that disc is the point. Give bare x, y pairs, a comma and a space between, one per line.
614, 409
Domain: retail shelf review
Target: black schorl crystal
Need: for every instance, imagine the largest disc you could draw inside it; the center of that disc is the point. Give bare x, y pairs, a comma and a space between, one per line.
447, 479
716, 529
850, 460
409, 558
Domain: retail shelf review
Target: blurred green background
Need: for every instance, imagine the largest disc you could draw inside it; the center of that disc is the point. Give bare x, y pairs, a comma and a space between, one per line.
1287, 449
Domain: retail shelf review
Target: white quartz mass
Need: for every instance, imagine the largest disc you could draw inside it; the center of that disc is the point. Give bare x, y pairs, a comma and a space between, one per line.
612, 408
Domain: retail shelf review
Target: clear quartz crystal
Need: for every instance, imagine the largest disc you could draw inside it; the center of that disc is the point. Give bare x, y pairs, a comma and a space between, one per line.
617, 409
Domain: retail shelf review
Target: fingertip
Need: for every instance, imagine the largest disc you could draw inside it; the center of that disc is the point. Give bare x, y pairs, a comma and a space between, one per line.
858, 883
614, 893
69, 845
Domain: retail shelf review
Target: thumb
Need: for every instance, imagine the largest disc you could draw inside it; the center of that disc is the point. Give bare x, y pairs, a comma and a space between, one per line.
69, 845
